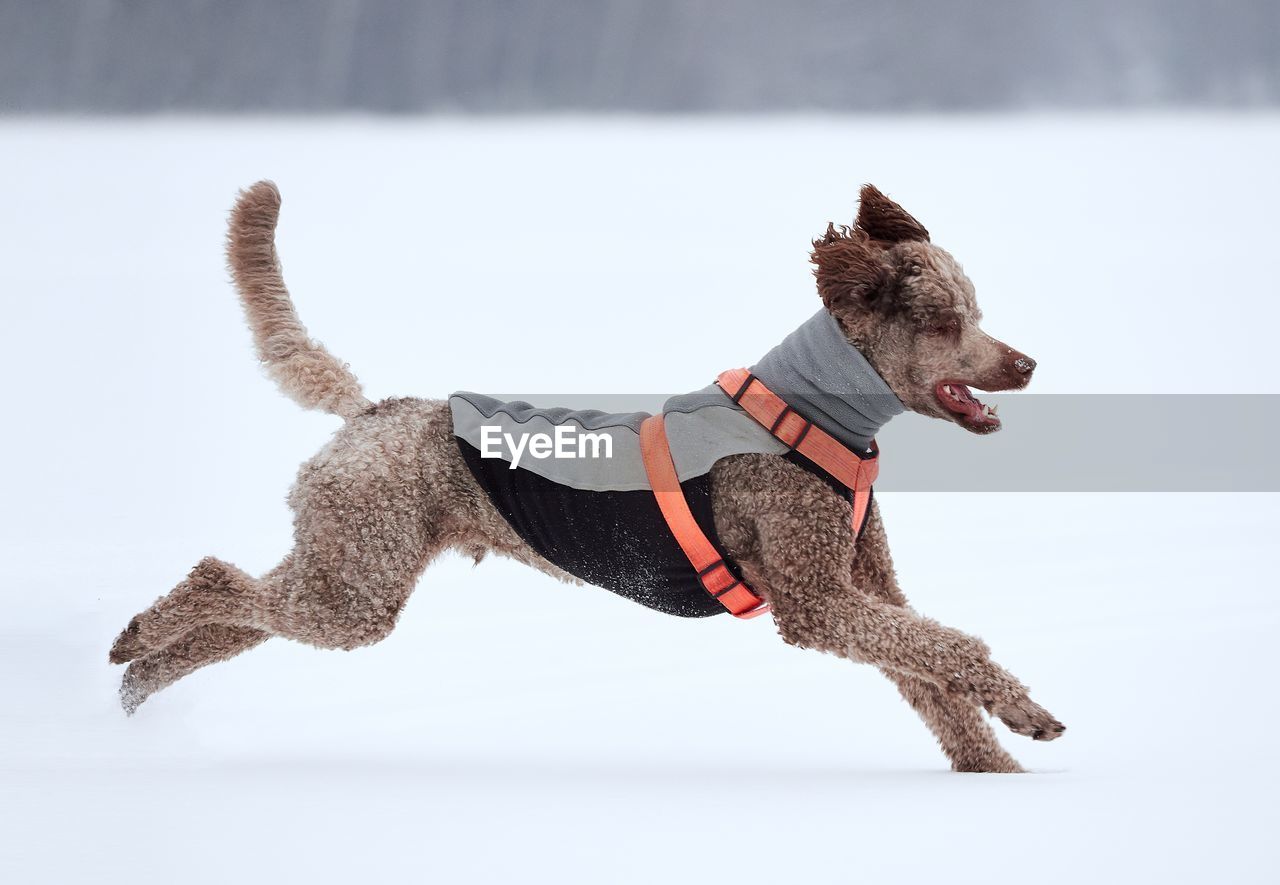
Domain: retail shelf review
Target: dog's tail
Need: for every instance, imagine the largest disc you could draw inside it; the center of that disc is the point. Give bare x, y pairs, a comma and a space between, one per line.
308, 373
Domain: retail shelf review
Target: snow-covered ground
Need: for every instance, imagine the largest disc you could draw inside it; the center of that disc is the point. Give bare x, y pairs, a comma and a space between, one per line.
516, 730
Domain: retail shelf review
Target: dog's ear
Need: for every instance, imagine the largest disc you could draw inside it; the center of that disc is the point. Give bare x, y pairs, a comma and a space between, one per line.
885, 220
851, 270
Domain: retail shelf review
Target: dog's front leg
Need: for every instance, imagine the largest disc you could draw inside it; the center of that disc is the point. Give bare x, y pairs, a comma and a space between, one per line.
808, 575
827, 613
958, 724
792, 535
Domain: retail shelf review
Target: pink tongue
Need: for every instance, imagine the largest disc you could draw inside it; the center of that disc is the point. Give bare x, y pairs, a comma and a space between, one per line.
971, 404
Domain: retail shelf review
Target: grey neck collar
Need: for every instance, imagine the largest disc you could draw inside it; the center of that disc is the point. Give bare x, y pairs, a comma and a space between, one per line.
827, 380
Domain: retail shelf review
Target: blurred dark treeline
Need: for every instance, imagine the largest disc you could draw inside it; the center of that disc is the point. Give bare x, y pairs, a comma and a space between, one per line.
398, 56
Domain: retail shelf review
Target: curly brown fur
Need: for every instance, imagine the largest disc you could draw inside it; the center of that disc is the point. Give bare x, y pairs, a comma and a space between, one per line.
390, 491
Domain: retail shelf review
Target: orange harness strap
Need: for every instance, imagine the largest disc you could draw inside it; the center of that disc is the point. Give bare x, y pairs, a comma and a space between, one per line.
797, 433
801, 435
713, 573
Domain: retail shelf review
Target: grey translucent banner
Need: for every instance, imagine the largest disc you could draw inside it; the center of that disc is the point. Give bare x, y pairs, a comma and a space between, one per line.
1064, 443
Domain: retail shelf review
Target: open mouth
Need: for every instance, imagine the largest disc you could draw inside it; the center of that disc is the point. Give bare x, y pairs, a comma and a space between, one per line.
968, 410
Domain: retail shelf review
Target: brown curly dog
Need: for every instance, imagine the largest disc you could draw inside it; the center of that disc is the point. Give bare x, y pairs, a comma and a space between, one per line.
390, 491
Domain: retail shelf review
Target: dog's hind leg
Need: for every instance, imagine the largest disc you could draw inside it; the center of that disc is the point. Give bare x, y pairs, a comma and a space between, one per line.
218, 612
339, 605
215, 592
200, 647
334, 593
958, 724
331, 593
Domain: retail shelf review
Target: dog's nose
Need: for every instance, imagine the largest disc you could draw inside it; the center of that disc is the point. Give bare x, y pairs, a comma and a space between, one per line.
1024, 365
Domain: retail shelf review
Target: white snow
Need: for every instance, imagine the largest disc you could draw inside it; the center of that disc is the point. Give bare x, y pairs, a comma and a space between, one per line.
517, 730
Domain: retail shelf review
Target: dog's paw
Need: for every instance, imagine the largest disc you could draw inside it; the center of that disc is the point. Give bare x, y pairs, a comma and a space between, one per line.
133, 690
128, 644
1025, 716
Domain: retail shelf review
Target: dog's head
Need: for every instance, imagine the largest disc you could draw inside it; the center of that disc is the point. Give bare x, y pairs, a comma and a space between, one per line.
909, 308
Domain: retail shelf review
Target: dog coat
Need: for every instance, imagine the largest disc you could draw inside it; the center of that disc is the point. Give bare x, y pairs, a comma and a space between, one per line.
596, 516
